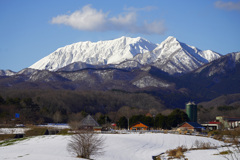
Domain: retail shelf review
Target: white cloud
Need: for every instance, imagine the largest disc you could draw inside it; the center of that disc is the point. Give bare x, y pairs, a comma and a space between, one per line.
227, 5
86, 19
124, 20
90, 19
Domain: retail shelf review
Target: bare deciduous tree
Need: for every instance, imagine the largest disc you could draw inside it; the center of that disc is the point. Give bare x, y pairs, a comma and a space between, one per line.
86, 144
57, 117
75, 119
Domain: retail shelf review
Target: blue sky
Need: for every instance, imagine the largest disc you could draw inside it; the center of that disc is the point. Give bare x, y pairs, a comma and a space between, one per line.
32, 29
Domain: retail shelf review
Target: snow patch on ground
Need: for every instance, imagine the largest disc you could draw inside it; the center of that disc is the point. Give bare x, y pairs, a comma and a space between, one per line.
13, 130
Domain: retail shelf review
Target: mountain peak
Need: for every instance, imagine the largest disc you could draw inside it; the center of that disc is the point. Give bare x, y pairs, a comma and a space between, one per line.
174, 56
171, 39
98, 53
130, 39
171, 54
170, 43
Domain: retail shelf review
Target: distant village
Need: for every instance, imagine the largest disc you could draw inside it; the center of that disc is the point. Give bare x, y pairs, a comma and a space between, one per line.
221, 122
90, 123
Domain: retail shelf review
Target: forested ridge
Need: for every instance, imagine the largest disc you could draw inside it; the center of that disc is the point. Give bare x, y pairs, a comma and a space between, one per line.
42, 105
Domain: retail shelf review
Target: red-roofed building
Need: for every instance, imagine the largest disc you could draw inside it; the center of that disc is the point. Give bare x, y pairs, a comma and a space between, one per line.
139, 126
223, 122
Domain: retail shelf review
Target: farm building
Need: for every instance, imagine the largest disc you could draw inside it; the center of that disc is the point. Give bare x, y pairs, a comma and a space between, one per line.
139, 126
88, 123
229, 122
213, 125
191, 110
191, 126
223, 122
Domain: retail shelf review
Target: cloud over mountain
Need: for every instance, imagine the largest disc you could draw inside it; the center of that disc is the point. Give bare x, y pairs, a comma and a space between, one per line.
91, 19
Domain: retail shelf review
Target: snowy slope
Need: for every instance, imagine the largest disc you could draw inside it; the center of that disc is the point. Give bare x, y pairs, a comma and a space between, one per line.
95, 53
176, 57
117, 147
171, 46
223, 65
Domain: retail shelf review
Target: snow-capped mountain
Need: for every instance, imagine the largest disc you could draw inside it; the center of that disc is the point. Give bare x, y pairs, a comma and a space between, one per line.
170, 56
174, 57
221, 66
213, 79
95, 53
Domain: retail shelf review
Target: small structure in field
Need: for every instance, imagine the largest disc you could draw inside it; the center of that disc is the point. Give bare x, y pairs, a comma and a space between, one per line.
191, 126
88, 123
139, 127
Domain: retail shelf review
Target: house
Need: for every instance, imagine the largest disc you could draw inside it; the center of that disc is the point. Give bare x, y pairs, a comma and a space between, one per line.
229, 122
88, 123
191, 126
223, 122
213, 125
139, 127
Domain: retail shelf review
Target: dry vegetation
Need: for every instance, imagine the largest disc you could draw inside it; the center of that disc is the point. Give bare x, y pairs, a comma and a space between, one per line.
177, 153
232, 137
86, 144
202, 145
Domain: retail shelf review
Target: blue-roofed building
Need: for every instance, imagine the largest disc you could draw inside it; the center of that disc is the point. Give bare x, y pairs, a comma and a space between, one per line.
191, 126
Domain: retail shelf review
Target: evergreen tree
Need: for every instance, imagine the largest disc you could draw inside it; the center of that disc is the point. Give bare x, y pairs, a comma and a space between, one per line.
177, 117
123, 123
161, 121
103, 119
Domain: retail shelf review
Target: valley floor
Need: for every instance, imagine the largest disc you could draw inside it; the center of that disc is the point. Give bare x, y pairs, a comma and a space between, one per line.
117, 147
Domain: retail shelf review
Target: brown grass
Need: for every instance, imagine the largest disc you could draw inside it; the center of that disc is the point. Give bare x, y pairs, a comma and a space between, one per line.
178, 152
7, 136
225, 152
36, 131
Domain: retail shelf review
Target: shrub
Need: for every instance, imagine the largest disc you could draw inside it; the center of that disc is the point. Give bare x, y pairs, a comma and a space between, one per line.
86, 144
178, 152
203, 145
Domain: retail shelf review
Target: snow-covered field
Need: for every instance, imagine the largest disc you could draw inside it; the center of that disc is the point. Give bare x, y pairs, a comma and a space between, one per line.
117, 147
